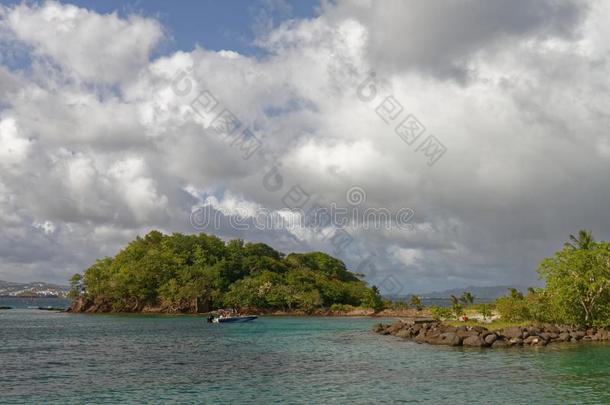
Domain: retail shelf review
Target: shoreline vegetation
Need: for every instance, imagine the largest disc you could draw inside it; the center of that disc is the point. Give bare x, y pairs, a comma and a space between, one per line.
80, 305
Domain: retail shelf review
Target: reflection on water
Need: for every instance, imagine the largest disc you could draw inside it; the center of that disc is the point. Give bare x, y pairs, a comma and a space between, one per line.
74, 358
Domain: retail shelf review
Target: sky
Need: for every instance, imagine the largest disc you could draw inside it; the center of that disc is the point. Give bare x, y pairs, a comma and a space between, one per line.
480, 128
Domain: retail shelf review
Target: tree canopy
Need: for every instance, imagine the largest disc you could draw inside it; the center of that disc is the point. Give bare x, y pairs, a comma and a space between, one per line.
193, 273
577, 290
578, 283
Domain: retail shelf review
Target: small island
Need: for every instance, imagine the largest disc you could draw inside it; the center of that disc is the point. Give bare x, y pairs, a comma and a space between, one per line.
201, 273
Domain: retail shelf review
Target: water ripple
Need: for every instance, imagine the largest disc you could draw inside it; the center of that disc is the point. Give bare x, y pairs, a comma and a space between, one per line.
60, 358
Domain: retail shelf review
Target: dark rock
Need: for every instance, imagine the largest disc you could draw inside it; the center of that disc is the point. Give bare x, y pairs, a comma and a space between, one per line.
533, 330
486, 332
450, 339
81, 304
403, 333
515, 341
395, 327
603, 334
546, 336
449, 329
433, 334
532, 340
436, 333
513, 332
378, 327
467, 333
490, 338
474, 341
499, 343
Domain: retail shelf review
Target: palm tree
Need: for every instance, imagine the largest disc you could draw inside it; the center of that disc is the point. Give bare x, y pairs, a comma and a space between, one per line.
584, 240
467, 298
515, 294
456, 308
416, 302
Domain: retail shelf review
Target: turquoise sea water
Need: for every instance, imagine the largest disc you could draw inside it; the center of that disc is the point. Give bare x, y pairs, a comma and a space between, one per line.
48, 357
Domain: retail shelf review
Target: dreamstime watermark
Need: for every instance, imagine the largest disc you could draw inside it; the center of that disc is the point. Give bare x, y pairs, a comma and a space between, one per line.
407, 127
301, 208
213, 115
207, 217
328, 222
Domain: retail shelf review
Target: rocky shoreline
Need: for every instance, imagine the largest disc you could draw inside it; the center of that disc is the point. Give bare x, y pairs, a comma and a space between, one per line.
437, 333
100, 306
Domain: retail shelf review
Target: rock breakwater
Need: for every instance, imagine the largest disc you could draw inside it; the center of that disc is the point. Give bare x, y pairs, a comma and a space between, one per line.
438, 333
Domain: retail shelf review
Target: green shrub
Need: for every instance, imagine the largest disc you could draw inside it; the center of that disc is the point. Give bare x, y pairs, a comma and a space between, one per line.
513, 308
457, 310
578, 282
539, 306
342, 307
440, 313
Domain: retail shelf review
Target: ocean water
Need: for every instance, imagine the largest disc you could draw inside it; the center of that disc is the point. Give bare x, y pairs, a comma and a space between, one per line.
48, 357
14, 302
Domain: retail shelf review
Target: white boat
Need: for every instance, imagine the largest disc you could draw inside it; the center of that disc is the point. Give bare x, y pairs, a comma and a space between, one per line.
230, 319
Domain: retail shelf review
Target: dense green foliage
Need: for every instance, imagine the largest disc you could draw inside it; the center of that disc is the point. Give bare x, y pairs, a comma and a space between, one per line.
578, 284
441, 313
192, 273
577, 290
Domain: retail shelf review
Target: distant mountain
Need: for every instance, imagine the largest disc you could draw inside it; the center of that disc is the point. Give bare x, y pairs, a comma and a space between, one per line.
487, 293
33, 289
